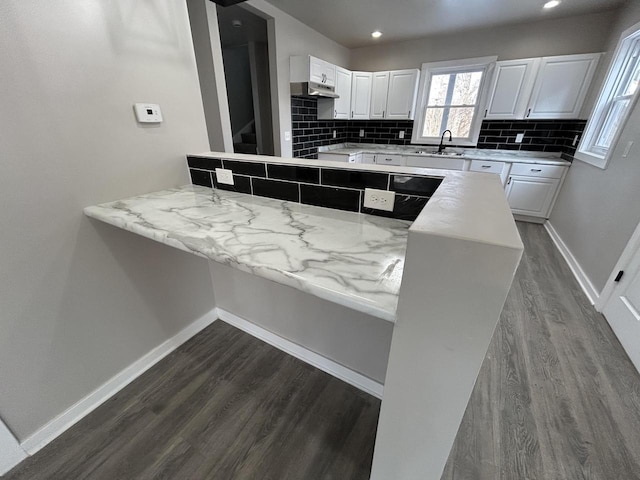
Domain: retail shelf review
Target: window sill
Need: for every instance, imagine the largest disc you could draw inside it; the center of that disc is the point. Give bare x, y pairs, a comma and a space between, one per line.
591, 159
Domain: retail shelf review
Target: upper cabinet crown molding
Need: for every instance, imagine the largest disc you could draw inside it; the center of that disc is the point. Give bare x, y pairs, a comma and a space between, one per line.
541, 88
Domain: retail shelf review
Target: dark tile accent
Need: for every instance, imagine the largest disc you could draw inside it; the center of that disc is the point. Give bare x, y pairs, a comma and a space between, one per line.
276, 189
256, 169
329, 197
204, 163
354, 179
241, 184
422, 186
406, 207
293, 173
199, 177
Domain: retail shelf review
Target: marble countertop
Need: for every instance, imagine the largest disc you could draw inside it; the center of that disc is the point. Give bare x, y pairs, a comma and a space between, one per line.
351, 259
512, 156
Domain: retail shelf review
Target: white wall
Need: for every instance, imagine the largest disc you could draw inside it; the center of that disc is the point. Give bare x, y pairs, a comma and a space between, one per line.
82, 300
292, 37
598, 210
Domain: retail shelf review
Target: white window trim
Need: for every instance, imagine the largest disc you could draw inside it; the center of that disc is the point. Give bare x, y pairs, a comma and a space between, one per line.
585, 151
487, 64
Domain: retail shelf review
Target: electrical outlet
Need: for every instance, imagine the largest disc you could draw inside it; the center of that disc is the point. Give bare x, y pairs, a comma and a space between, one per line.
519, 137
224, 176
334, 134
362, 133
401, 134
379, 199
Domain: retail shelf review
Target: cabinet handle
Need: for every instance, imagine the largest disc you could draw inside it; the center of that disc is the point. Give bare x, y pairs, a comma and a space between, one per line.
509, 182
409, 113
485, 113
383, 114
388, 159
486, 166
335, 113
351, 113
536, 170
528, 113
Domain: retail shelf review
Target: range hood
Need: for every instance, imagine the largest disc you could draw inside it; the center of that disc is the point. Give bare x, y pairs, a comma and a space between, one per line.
311, 89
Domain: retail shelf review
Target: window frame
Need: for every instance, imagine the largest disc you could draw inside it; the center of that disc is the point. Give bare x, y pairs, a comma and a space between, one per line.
485, 64
617, 75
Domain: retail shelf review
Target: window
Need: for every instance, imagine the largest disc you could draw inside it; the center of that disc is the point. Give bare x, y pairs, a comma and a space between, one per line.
613, 106
452, 94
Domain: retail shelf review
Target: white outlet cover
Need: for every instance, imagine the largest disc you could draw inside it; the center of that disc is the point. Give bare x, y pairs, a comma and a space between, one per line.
224, 176
379, 199
519, 137
287, 136
401, 134
362, 133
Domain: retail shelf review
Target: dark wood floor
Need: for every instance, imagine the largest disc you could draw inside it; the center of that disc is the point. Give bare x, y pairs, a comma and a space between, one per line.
556, 398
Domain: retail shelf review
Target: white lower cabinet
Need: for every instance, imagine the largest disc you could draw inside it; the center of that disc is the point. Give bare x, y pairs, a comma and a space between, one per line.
532, 196
498, 168
383, 159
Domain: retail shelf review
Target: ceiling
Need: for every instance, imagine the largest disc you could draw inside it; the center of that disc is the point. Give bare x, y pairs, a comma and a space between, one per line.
252, 28
350, 22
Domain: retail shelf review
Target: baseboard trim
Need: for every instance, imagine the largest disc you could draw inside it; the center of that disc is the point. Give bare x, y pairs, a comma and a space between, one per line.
11, 454
86, 405
329, 366
584, 282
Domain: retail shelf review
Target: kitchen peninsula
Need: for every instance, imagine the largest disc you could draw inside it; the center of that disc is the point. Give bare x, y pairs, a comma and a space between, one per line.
333, 282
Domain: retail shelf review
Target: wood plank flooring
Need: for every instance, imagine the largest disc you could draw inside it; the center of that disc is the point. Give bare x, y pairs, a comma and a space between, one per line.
556, 398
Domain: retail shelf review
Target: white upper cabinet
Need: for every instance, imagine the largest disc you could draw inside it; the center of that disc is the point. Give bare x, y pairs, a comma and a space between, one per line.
306, 68
379, 90
403, 93
337, 108
394, 94
511, 89
561, 86
361, 95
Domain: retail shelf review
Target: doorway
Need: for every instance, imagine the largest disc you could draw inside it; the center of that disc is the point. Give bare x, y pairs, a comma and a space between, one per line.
245, 54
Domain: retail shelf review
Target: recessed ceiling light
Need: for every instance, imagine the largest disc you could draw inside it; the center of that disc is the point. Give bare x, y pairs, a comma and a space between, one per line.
551, 4
376, 34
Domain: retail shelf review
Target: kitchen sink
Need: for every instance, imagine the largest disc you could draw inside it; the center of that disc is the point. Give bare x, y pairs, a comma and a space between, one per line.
440, 154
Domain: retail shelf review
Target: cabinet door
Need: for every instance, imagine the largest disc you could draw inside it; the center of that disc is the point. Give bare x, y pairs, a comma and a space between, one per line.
330, 71
360, 95
403, 92
384, 159
379, 90
343, 88
531, 196
316, 70
511, 89
561, 86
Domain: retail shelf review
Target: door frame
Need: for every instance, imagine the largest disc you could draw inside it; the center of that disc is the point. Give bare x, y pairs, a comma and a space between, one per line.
623, 262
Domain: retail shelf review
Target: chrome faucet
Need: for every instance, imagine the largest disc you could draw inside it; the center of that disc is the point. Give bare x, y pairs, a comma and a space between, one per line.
441, 147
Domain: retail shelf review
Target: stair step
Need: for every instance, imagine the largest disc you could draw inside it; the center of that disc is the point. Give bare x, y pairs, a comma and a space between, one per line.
249, 138
245, 148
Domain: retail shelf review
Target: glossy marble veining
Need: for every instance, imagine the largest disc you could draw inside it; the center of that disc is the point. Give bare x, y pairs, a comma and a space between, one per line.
351, 259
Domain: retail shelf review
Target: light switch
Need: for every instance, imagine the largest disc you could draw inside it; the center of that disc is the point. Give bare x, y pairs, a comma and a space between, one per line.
287, 136
148, 113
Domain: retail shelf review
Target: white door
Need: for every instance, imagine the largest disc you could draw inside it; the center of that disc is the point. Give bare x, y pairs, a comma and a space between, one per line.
342, 105
511, 89
379, 90
403, 92
360, 95
623, 307
530, 195
561, 86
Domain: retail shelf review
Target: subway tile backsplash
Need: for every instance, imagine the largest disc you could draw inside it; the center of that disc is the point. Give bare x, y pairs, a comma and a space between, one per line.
309, 133
338, 188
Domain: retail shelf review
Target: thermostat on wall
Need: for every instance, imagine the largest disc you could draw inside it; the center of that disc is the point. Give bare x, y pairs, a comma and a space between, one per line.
148, 113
